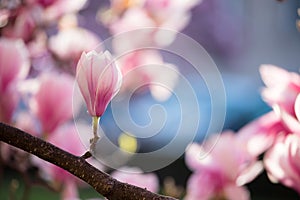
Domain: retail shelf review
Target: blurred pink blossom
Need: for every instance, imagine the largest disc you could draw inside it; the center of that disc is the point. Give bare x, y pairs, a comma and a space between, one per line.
281, 93
277, 132
282, 162
99, 80
159, 15
53, 9
27, 18
282, 90
172, 14
68, 44
9, 100
282, 87
14, 62
133, 18
14, 67
135, 176
207, 185
147, 68
70, 191
260, 134
52, 102
26, 122
221, 165
297, 107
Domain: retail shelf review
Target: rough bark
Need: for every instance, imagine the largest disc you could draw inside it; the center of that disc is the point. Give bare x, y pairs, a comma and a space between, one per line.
78, 166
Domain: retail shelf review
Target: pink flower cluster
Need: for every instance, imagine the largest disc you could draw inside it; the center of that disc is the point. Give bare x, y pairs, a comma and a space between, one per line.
222, 165
278, 132
143, 24
14, 67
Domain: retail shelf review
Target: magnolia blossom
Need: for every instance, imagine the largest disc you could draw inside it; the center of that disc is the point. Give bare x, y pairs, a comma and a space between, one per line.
283, 161
221, 166
282, 87
14, 67
277, 132
282, 93
99, 80
135, 176
52, 102
260, 134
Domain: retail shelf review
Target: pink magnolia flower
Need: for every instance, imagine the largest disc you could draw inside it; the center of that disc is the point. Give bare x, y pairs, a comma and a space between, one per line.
277, 132
260, 134
282, 93
282, 162
221, 166
282, 87
14, 67
135, 176
99, 80
52, 102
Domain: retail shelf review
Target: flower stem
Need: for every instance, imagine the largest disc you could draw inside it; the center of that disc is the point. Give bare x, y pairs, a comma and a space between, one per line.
94, 140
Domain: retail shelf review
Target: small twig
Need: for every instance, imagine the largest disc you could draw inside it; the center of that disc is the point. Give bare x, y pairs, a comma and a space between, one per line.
78, 166
86, 155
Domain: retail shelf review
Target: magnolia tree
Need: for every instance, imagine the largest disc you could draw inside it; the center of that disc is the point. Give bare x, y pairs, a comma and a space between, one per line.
48, 81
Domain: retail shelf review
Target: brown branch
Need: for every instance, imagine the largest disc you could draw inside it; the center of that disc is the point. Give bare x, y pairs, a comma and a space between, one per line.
100, 181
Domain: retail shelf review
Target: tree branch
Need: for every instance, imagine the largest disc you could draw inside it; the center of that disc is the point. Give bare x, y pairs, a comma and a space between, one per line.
100, 181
